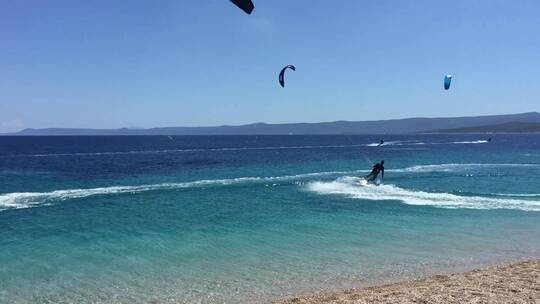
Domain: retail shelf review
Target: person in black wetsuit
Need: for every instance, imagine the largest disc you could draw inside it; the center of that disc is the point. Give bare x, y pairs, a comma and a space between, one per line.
377, 168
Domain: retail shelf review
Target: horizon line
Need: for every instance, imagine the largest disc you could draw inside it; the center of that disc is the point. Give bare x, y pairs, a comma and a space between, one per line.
260, 123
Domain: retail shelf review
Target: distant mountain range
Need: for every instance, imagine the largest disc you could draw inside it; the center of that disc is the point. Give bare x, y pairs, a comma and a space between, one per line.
509, 127
392, 126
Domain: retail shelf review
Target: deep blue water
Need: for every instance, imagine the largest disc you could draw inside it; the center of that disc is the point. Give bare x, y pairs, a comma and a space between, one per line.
254, 218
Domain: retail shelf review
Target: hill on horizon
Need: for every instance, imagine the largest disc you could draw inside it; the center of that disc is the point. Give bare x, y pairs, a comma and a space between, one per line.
509, 127
391, 126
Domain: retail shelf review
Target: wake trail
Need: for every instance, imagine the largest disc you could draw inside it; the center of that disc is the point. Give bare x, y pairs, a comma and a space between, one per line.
456, 167
21, 200
188, 150
357, 188
471, 142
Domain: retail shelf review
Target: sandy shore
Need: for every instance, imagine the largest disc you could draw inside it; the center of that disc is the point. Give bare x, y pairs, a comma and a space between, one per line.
516, 283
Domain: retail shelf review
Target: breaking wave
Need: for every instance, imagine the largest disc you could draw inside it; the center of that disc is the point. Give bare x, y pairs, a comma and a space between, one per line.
357, 188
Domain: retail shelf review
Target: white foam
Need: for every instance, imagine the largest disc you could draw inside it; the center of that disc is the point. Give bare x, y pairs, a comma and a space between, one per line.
19, 200
471, 142
357, 188
377, 144
517, 194
452, 167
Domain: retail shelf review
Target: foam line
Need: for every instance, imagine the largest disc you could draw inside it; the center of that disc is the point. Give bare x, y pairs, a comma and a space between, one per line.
389, 143
471, 142
19, 200
452, 167
357, 188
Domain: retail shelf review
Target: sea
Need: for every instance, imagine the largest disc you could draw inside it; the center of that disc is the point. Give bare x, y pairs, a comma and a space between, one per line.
253, 219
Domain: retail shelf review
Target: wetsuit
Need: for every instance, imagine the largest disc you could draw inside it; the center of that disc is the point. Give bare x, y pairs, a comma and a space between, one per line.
377, 168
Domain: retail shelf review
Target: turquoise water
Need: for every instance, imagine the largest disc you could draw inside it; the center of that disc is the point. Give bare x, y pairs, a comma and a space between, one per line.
247, 219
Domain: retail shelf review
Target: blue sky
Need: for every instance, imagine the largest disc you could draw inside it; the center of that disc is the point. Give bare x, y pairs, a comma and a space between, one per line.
109, 64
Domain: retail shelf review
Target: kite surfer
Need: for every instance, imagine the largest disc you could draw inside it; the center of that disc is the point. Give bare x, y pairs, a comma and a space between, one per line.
377, 168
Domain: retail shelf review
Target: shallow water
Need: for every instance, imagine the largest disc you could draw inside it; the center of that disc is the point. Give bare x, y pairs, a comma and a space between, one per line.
253, 218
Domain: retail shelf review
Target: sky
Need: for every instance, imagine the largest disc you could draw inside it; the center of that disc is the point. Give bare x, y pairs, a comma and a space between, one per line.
143, 63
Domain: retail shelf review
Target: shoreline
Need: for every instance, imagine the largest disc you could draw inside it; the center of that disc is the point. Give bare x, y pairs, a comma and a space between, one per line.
518, 282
